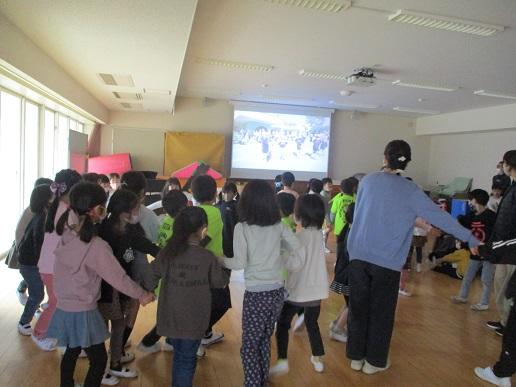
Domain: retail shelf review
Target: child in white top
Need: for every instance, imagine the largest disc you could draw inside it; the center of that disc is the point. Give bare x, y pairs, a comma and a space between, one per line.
307, 287
257, 243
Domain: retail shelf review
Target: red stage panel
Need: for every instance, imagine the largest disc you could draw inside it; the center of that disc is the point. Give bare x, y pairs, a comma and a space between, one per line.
118, 163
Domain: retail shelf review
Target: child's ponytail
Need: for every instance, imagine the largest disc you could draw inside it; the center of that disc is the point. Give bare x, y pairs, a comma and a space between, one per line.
188, 221
63, 183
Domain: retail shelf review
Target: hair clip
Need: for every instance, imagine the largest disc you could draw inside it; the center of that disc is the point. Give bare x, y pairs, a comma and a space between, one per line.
402, 158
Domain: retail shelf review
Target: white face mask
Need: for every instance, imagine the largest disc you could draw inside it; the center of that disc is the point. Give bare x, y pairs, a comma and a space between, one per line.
134, 219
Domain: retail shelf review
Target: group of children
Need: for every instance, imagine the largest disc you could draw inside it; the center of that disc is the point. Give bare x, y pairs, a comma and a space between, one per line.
85, 239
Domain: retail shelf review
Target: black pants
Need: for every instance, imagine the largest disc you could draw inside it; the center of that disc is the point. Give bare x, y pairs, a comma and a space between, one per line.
97, 356
152, 337
419, 253
220, 303
311, 315
506, 366
373, 299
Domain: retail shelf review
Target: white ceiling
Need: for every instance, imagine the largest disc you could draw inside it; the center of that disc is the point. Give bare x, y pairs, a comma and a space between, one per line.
291, 38
148, 39
144, 39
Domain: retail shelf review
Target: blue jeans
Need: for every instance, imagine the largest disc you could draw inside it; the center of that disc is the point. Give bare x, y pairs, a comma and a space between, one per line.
36, 292
185, 361
486, 278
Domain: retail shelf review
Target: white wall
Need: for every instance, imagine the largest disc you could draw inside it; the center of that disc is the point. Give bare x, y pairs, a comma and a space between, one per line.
19, 51
357, 144
469, 154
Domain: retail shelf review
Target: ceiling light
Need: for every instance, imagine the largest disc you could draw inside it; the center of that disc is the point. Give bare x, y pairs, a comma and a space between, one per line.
117, 79
485, 93
128, 96
321, 75
419, 111
444, 23
319, 5
427, 87
158, 91
363, 106
235, 65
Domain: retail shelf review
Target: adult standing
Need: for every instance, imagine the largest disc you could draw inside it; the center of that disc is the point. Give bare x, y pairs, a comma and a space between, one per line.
503, 251
501, 179
386, 209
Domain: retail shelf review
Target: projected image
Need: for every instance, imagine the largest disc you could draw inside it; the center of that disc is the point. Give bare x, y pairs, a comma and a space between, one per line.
280, 141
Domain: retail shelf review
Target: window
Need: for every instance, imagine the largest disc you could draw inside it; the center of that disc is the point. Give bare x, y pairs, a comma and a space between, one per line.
48, 143
10, 162
30, 150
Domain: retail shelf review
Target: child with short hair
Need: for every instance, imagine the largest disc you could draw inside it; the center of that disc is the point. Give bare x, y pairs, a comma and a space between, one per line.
496, 197
228, 200
307, 287
204, 190
29, 250
173, 202
82, 260
114, 180
340, 203
103, 181
480, 222
326, 194
287, 180
257, 243
188, 273
340, 283
286, 203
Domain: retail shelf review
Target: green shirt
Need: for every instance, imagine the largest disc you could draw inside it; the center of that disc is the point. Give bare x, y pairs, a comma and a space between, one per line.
215, 226
340, 204
165, 231
289, 222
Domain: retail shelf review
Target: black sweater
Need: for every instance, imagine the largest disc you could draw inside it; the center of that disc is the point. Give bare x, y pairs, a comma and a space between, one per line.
30, 245
503, 238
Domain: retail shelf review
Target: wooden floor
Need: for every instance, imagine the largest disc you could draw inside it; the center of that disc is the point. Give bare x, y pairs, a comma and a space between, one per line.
435, 343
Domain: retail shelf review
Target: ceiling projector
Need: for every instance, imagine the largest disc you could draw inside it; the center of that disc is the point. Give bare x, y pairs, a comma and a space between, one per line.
363, 77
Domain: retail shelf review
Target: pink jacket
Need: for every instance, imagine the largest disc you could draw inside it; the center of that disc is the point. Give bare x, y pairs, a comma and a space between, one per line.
46, 257
79, 269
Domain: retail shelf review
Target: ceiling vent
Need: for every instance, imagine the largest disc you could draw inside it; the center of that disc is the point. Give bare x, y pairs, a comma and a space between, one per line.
126, 105
134, 106
117, 80
445, 23
318, 5
128, 96
157, 91
235, 65
321, 75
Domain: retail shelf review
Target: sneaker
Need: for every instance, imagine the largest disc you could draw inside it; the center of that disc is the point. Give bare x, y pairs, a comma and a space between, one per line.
22, 297
418, 268
167, 347
370, 369
317, 363
77, 385
128, 343
357, 365
280, 368
458, 300
488, 375
327, 250
156, 347
83, 354
201, 352
338, 336
109, 380
25, 330
479, 307
124, 372
494, 324
127, 357
499, 331
299, 325
404, 293
213, 338
46, 344
38, 312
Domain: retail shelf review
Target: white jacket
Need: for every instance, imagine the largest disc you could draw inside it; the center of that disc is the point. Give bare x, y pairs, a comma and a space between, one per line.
311, 282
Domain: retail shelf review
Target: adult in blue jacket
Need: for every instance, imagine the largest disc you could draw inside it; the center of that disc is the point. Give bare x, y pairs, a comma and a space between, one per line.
386, 209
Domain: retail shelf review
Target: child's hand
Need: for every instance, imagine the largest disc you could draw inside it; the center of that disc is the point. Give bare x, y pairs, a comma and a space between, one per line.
147, 298
474, 250
434, 232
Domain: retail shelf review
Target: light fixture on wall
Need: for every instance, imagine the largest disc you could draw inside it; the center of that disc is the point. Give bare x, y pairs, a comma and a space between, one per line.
485, 93
445, 23
417, 111
426, 87
319, 5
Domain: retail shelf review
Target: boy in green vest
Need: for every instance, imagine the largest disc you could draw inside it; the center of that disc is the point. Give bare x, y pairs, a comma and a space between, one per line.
341, 202
204, 190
